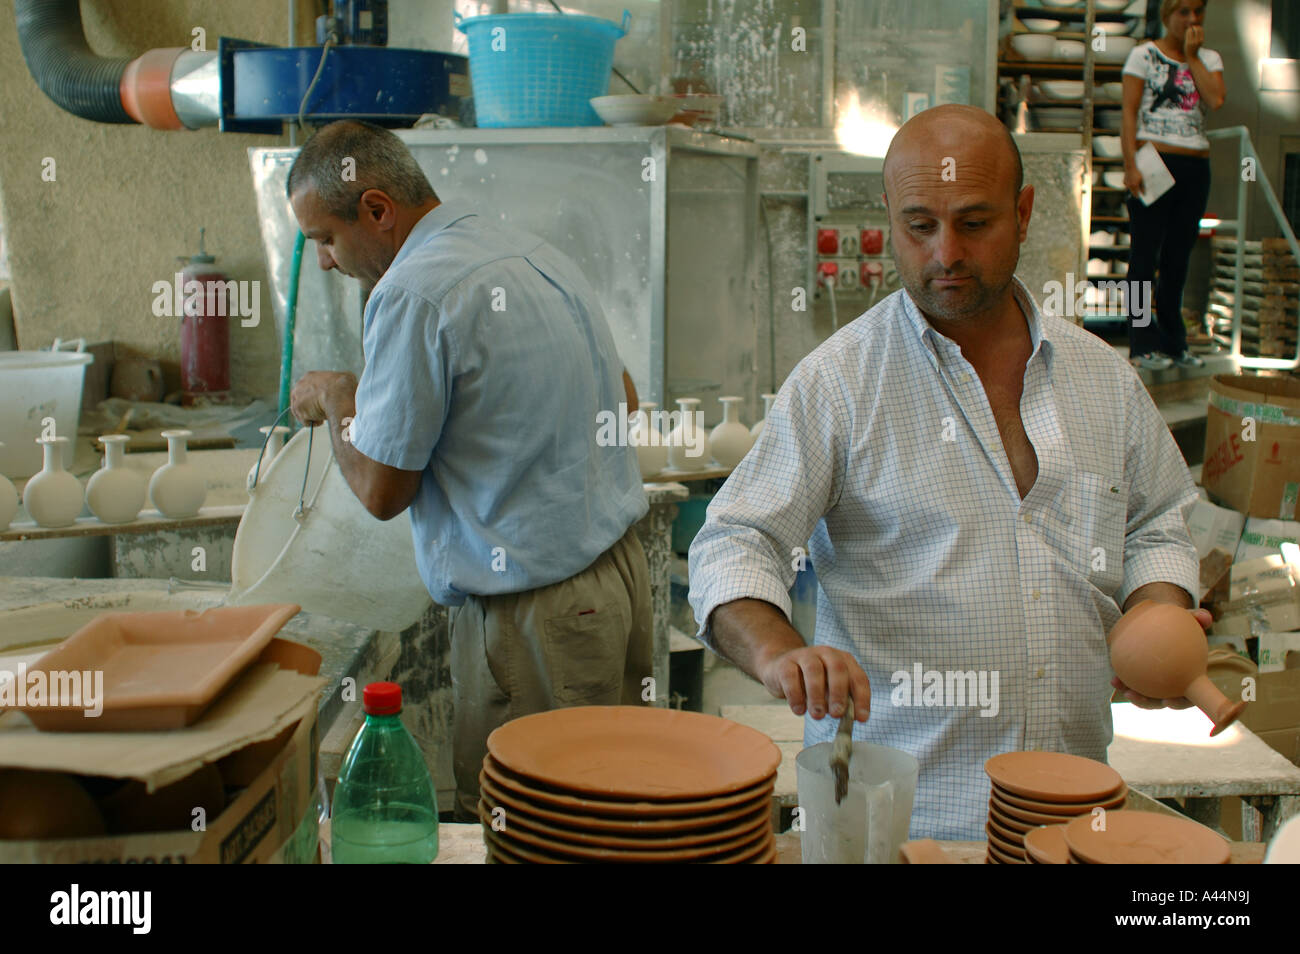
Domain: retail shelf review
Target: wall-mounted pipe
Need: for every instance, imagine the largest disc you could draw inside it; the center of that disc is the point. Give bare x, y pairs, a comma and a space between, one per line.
174, 88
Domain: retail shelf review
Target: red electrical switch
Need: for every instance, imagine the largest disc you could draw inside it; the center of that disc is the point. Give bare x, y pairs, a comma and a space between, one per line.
828, 242
873, 241
872, 270
827, 268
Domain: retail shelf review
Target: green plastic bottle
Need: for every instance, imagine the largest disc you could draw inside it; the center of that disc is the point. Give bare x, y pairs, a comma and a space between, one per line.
385, 805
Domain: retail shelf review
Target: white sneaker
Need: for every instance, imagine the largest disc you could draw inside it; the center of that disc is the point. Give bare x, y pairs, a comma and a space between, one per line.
1154, 362
1189, 360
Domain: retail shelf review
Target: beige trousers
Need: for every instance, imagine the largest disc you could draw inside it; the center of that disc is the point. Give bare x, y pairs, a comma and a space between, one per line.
585, 641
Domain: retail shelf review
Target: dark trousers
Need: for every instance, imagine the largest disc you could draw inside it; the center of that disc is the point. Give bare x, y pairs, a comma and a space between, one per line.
1163, 234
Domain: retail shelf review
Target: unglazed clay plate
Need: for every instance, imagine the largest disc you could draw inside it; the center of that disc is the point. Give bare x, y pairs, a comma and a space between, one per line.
635, 752
1015, 838
1005, 798
568, 834
1003, 857
649, 827
621, 808
1045, 812
1046, 845
1002, 844
1145, 838
1004, 821
507, 845
1053, 776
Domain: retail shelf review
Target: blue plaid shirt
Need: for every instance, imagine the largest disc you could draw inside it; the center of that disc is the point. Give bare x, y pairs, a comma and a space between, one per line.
882, 458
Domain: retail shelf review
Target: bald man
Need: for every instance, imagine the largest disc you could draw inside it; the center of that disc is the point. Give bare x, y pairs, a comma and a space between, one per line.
982, 489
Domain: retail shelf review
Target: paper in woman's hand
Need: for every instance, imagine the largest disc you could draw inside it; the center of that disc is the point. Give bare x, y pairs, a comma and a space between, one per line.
1156, 177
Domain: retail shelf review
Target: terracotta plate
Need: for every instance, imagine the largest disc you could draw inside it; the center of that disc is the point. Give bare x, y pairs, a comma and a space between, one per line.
1006, 847
1146, 838
1046, 845
756, 852
568, 834
1053, 776
620, 808
1007, 822
1005, 798
1003, 858
1015, 838
635, 752
517, 836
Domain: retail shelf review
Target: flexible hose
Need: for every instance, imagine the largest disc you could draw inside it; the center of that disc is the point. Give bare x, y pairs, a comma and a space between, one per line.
54, 45
290, 317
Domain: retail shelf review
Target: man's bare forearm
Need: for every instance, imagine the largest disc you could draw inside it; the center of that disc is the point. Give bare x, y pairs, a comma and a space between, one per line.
752, 632
1160, 593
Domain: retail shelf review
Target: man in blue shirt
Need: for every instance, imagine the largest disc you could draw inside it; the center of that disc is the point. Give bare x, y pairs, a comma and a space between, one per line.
488, 360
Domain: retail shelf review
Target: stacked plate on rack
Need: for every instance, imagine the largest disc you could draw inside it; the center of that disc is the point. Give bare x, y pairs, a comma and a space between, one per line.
1143, 838
1043, 788
627, 784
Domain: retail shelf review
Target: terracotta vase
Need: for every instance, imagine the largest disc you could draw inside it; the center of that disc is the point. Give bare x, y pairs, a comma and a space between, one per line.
274, 444
686, 437
767, 409
651, 446
115, 493
53, 497
177, 488
8, 500
1160, 651
730, 440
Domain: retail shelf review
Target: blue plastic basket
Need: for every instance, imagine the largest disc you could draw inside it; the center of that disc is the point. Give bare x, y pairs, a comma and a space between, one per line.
539, 69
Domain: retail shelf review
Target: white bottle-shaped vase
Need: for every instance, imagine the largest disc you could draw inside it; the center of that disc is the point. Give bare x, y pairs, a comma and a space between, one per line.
688, 441
648, 439
730, 440
767, 409
8, 500
115, 493
177, 489
274, 444
53, 497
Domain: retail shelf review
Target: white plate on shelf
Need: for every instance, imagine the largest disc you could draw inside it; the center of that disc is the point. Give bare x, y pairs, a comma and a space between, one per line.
1108, 147
634, 110
1040, 25
1101, 239
1034, 46
1113, 178
1113, 27
1061, 89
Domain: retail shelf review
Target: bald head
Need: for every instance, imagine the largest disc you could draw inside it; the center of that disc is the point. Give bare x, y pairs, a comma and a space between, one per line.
941, 138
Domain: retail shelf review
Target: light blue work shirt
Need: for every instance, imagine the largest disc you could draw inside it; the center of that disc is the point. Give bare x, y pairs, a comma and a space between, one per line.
488, 362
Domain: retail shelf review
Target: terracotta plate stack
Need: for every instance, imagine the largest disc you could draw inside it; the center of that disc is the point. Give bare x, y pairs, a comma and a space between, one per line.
1043, 788
627, 784
1144, 838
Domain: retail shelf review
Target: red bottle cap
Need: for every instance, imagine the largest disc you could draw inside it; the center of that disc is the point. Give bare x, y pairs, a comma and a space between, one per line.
382, 698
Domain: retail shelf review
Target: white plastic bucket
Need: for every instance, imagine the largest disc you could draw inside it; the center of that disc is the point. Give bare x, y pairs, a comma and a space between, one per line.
35, 385
337, 559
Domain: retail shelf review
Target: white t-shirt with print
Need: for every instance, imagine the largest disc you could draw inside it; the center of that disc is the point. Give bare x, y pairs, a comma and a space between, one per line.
1171, 111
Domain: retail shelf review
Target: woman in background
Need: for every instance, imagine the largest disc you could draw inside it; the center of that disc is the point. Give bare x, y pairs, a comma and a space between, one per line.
1170, 85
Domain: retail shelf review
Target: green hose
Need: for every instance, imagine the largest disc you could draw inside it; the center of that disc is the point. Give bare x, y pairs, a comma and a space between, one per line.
291, 314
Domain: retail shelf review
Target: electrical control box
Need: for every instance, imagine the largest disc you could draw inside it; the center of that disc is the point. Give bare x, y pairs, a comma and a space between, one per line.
848, 230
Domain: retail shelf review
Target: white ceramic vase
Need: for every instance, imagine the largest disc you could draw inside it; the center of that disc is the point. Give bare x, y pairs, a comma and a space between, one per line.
8, 500
730, 440
177, 489
53, 497
115, 492
688, 447
645, 436
272, 447
767, 409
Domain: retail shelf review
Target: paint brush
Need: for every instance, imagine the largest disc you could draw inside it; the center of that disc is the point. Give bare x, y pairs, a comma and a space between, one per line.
841, 750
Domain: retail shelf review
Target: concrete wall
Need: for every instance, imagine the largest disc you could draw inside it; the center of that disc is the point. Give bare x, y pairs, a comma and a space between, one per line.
1240, 30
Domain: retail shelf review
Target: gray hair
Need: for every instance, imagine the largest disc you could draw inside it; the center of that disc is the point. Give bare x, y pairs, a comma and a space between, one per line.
381, 161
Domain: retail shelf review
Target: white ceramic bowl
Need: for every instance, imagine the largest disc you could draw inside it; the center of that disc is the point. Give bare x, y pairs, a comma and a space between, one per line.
1101, 239
1033, 46
633, 110
1111, 6
1117, 49
1108, 147
1098, 266
1037, 25
1114, 91
1113, 178
1071, 50
1113, 27
1062, 89
1062, 4
1112, 119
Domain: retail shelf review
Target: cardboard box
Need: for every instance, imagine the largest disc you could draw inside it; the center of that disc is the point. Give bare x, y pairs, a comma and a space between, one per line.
1276, 706
1212, 527
1260, 538
1264, 598
264, 725
1260, 477
1279, 652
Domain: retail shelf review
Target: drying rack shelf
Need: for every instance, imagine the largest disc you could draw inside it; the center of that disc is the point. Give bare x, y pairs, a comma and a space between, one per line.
149, 521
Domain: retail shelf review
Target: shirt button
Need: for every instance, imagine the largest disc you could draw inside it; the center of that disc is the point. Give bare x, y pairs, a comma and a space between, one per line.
1026, 518
1039, 673
1036, 594
965, 378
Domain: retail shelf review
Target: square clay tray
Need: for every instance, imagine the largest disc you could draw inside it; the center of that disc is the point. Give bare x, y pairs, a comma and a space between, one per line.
161, 670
